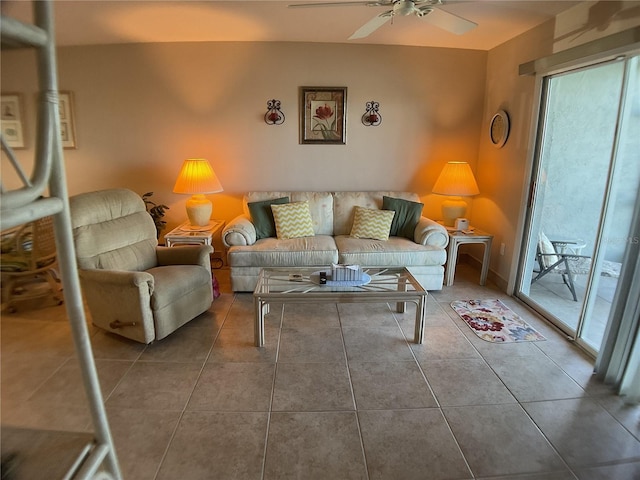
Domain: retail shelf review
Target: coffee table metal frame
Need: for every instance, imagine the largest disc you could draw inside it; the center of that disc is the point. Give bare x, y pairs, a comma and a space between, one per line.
395, 285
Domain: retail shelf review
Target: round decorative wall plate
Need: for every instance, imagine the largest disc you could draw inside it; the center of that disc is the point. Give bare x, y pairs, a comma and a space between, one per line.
499, 128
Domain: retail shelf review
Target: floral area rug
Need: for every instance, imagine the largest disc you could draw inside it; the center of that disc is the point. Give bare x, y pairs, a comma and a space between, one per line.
493, 321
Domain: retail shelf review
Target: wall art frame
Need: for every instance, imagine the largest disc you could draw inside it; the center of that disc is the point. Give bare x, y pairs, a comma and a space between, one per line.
67, 119
12, 115
323, 115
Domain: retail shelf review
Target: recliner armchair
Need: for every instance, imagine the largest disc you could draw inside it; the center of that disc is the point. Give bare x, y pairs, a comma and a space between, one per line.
132, 286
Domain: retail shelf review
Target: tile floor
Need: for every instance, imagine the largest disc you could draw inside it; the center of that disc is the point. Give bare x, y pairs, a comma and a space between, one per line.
554, 296
339, 392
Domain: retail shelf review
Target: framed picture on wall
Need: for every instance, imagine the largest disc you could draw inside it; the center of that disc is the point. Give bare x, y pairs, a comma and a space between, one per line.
12, 124
67, 120
323, 115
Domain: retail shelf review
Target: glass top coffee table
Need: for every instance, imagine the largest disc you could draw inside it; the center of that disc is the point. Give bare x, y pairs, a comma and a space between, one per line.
301, 285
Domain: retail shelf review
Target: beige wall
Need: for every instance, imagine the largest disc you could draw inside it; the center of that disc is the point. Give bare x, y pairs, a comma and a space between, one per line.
502, 173
141, 109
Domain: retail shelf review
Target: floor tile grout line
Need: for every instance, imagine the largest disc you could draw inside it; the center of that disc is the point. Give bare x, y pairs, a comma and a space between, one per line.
195, 383
547, 439
520, 404
49, 377
353, 396
592, 394
415, 359
601, 405
265, 450
438, 405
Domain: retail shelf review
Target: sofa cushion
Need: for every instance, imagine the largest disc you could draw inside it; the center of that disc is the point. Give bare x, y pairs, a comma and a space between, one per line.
397, 251
173, 282
371, 223
343, 203
298, 252
320, 206
262, 216
407, 215
293, 220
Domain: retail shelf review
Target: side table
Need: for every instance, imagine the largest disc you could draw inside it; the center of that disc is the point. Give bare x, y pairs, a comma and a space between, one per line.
457, 238
186, 235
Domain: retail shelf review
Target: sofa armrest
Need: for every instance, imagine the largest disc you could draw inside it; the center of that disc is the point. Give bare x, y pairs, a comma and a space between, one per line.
185, 255
239, 232
430, 232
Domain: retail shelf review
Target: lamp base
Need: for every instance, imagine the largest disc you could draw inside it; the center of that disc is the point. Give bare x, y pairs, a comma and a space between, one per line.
199, 210
452, 208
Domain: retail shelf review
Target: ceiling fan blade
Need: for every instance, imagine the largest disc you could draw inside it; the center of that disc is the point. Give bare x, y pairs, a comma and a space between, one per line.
372, 25
364, 3
448, 21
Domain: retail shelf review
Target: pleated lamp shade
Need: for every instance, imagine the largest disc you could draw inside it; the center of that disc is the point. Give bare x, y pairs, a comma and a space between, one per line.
197, 177
456, 180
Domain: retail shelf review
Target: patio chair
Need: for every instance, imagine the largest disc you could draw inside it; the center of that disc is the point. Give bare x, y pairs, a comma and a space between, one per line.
553, 257
559, 257
27, 261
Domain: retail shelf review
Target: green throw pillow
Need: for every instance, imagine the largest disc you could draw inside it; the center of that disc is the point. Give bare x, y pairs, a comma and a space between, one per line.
262, 216
369, 223
408, 214
293, 220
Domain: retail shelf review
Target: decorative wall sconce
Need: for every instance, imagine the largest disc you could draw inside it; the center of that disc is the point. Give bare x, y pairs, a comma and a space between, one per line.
372, 116
274, 115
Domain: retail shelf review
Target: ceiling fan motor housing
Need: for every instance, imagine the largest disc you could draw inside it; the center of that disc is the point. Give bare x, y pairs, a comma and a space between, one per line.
419, 7
404, 7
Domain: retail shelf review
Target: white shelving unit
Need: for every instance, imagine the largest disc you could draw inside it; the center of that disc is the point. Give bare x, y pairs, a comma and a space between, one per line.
73, 456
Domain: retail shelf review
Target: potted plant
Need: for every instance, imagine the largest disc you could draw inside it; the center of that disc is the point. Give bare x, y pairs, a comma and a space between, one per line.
156, 211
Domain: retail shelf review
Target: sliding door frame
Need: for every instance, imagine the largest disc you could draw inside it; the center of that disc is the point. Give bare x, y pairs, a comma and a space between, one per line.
622, 43
544, 70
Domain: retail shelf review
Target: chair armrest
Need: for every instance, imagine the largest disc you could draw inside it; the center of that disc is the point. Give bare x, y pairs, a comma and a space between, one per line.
185, 255
564, 255
121, 278
430, 232
120, 302
238, 232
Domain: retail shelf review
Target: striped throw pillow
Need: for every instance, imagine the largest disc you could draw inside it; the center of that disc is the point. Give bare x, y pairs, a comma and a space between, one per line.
293, 220
369, 223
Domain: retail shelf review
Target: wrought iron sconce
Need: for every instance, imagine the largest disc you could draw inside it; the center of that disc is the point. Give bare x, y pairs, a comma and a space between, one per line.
372, 116
274, 115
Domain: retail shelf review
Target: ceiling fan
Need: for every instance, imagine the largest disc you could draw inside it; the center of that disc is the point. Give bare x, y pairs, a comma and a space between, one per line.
425, 9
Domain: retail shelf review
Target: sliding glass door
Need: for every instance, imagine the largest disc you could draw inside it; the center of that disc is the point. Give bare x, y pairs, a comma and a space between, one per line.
585, 190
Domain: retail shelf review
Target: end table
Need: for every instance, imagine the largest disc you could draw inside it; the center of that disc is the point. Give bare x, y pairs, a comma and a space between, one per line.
186, 235
457, 238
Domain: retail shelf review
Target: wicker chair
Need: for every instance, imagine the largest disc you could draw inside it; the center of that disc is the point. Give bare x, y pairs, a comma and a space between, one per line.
28, 259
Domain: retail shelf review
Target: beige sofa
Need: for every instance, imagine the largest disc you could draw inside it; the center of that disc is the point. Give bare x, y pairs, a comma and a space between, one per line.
332, 216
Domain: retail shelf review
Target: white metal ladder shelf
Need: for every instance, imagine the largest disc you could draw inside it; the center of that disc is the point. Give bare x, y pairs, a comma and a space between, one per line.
96, 458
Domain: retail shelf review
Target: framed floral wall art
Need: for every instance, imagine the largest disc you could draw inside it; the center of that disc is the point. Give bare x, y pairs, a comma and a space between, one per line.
12, 126
323, 115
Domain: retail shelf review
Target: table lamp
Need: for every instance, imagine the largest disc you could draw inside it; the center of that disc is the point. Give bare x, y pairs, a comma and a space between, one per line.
197, 178
456, 180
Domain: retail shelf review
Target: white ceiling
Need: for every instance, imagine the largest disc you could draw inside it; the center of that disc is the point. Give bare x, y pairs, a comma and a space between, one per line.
86, 22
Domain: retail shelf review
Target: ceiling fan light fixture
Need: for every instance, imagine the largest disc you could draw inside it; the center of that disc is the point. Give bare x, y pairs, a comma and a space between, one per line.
404, 7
